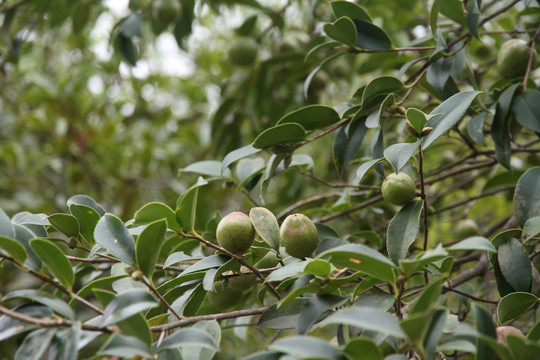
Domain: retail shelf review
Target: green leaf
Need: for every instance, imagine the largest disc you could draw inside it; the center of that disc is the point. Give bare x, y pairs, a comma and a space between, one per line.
287, 271
307, 347
10, 327
155, 211
452, 110
434, 16
403, 230
473, 243
177, 257
373, 120
475, 128
347, 142
318, 267
515, 264
365, 167
312, 117
531, 229
112, 235
486, 327
342, 30
527, 196
188, 337
526, 108
211, 328
453, 9
364, 346
98, 284
367, 318
6, 228
513, 305
209, 262
266, 225
399, 154
500, 128
473, 17
265, 355
148, 246
127, 304
314, 309
13, 248
130, 25
349, 9
283, 134
55, 260
534, 333
238, 154
86, 201
54, 303
125, 347
434, 332
23, 236
87, 218
186, 207
370, 36
35, 345
362, 258
206, 167
65, 223
284, 317
428, 299
381, 86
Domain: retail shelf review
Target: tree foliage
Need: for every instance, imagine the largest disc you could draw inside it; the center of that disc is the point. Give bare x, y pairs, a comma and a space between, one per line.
334, 97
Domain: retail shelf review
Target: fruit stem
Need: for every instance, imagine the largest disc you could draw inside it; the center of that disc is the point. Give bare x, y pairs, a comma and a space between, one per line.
424, 198
161, 298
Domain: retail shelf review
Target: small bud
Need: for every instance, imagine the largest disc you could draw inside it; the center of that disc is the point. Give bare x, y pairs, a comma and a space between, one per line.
411, 129
137, 275
72, 242
426, 131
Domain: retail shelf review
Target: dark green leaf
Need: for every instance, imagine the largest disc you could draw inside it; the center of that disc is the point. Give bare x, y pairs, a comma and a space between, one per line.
371, 37
347, 143
526, 108
403, 230
531, 229
188, 337
513, 305
55, 260
342, 30
130, 26
452, 111
98, 284
381, 86
208, 262
399, 154
364, 346
287, 271
484, 326
288, 133
365, 167
23, 236
111, 234
186, 207
434, 332
367, 318
349, 9
473, 17
515, 264
373, 120
177, 257
312, 117
266, 225
65, 343
125, 347
475, 128
127, 304
65, 223
35, 345
54, 303
13, 248
148, 246
265, 355
307, 347
527, 196
500, 128
284, 317
87, 218
314, 309
10, 327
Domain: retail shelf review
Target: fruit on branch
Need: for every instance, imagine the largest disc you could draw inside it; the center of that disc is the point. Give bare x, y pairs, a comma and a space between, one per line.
513, 57
224, 297
243, 51
298, 235
235, 232
398, 189
465, 228
267, 261
137, 275
503, 331
244, 281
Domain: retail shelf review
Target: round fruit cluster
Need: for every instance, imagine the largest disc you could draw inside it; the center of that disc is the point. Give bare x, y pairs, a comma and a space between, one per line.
236, 233
398, 189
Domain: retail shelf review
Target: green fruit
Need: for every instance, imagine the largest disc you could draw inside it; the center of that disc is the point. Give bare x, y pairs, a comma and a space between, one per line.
224, 297
235, 232
466, 228
243, 281
243, 51
299, 235
398, 189
267, 261
513, 57
166, 11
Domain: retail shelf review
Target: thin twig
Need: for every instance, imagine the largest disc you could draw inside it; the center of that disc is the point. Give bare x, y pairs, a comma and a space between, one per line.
357, 207
468, 200
529, 62
161, 298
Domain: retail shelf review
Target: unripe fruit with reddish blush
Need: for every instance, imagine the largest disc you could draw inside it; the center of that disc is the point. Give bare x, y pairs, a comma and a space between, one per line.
299, 235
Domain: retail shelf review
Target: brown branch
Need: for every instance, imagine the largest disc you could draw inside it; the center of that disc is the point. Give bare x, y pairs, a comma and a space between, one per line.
161, 298
339, 186
465, 201
447, 289
357, 207
221, 316
529, 62
479, 165
322, 133
477, 270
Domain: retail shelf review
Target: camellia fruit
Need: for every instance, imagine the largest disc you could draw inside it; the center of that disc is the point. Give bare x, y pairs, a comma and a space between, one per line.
299, 235
513, 57
243, 51
235, 232
398, 189
466, 228
267, 261
503, 331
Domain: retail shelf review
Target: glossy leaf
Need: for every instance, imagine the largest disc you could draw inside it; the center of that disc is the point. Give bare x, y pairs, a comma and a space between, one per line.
342, 30
284, 317
65, 223
428, 298
6, 228
148, 246
399, 154
212, 329
515, 264
314, 309
266, 225
238, 154
403, 230
500, 126
371, 37
97, 284
112, 234
364, 346
188, 337
208, 262
373, 120
186, 207
526, 108
283, 134
312, 117
473, 243
365, 167
307, 347
287, 271
206, 168
486, 327
127, 304
87, 218
513, 305
54, 303
35, 345
86, 201
527, 196
13, 248
362, 258
347, 142
381, 86
473, 17
349, 9
475, 128
126, 347
55, 260
434, 332
367, 318
155, 211
23, 236
452, 110
531, 229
